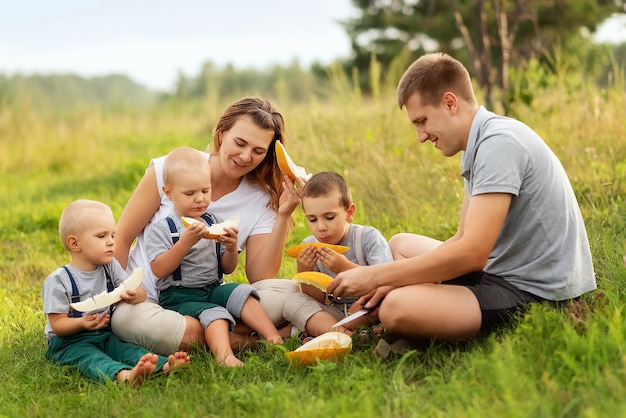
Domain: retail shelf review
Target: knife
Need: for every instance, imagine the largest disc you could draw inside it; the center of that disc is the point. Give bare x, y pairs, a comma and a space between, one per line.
355, 315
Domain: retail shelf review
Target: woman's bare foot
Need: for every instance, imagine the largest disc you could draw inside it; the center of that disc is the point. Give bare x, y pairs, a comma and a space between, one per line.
176, 360
230, 361
144, 367
239, 342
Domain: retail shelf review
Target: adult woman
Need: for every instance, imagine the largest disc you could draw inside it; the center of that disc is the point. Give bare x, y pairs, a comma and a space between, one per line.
245, 181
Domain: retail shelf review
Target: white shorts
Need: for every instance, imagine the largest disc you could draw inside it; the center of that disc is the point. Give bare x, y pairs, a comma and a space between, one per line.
161, 330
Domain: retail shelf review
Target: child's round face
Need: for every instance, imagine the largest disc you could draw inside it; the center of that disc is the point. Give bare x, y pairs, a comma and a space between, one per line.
327, 218
190, 192
96, 241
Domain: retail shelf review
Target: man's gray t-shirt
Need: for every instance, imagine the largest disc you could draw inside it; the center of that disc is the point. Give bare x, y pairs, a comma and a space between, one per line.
198, 268
57, 288
542, 247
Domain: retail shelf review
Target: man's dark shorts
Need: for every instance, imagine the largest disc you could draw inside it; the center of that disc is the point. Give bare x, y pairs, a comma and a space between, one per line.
498, 299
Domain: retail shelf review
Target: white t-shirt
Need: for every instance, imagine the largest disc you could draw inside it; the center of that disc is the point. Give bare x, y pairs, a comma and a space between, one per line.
248, 201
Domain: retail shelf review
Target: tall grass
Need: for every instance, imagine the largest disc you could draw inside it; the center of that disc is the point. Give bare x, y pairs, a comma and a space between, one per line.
554, 363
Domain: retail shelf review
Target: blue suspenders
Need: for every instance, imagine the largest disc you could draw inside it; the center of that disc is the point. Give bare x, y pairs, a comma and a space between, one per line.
175, 235
76, 295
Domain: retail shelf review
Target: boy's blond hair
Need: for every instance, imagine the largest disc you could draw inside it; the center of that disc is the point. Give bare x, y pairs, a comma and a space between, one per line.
77, 216
182, 159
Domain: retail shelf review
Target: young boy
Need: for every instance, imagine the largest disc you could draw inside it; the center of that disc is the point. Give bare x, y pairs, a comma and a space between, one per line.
87, 229
188, 266
329, 210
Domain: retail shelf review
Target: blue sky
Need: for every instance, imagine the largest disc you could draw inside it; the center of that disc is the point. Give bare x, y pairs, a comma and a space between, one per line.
152, 40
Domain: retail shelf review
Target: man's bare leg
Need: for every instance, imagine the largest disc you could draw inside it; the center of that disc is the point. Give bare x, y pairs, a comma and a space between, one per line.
405, 245
426, 311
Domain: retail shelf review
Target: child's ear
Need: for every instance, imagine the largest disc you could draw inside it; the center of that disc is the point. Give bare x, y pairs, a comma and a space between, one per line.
167, 192
351, 210
72, 243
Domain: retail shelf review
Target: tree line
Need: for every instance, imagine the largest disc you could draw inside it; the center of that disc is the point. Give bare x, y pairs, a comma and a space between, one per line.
510, 47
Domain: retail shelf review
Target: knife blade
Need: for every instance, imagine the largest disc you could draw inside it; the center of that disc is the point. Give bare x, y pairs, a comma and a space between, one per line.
354, 316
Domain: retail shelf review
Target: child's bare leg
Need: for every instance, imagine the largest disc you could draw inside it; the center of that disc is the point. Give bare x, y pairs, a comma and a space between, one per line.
218, 340
254, 316
323, 322
145, 366
176, 360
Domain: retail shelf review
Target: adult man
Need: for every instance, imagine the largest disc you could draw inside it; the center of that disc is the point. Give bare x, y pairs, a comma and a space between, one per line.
521, 237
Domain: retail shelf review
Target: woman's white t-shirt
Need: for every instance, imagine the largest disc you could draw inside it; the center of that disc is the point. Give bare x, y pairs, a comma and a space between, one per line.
248, 201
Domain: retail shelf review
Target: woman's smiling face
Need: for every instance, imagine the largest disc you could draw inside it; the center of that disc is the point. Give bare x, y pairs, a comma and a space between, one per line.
244, 147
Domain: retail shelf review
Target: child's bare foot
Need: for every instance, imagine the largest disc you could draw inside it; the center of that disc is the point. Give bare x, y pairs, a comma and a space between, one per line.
275, 339
144, 367
176, 360
230, 361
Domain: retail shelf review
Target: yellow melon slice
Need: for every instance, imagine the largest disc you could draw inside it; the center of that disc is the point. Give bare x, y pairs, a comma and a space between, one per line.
296, 249
314, 278
328, 346
286, 164
104, 299
214, 231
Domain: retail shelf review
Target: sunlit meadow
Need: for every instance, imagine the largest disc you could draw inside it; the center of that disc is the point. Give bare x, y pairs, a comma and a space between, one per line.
554, 363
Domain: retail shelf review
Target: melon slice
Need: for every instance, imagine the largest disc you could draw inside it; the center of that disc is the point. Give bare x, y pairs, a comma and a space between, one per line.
328, 346
314, 278
286, 164
214, 231
104, 299
296, 249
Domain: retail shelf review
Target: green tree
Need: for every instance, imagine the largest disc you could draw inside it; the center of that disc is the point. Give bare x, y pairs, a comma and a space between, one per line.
490, 36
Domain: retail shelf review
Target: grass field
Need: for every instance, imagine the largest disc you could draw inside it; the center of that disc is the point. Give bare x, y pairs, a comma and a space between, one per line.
553, 364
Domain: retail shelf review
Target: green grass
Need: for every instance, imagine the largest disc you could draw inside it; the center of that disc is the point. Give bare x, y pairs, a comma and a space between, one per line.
555, 363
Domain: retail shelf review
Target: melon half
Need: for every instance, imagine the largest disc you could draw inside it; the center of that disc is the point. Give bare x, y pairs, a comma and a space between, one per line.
286, 164
328, 346
296, 249
314, 278
104, 299
214, 231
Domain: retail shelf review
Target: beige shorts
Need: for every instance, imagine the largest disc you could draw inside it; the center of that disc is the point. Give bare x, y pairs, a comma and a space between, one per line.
301, 307
273, 293
161, 330
149, 325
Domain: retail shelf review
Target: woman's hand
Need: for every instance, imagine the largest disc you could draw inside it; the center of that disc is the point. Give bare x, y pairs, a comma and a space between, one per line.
290, 197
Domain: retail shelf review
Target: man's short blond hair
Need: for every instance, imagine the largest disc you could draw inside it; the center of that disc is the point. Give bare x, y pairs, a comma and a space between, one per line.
432, 75
78, 215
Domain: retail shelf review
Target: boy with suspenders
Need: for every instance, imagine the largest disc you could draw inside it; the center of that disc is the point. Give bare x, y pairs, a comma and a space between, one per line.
189, 267
85, 340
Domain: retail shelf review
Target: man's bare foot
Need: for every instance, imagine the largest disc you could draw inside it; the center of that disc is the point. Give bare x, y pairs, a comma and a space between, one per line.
176, 360
144, 367
230, 361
